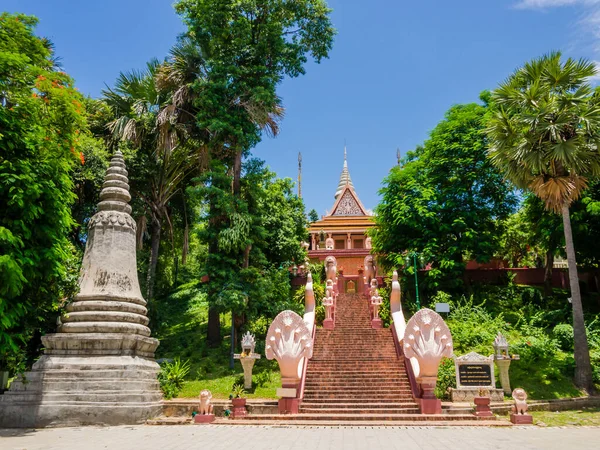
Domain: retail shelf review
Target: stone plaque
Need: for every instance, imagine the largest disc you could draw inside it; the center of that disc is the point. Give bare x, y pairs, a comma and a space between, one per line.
475, 370
475, 374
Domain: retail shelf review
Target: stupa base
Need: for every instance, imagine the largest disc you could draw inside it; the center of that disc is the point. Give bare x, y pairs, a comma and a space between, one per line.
81, 389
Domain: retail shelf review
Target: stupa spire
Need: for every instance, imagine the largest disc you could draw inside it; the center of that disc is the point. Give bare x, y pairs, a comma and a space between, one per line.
344, 177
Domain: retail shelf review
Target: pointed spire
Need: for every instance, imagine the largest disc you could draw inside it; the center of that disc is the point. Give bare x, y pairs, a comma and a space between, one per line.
344, 177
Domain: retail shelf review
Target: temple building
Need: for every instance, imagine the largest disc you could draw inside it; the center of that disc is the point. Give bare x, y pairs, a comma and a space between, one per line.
342, 233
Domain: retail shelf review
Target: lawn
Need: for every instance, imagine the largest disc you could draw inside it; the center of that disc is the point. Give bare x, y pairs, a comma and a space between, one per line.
580, 417
182, 335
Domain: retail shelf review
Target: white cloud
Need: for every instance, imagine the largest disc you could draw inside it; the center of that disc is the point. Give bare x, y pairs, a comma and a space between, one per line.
586, 28
542, 4
596, 78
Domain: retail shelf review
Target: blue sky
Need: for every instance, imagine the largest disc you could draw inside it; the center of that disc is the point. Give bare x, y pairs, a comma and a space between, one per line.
395, 68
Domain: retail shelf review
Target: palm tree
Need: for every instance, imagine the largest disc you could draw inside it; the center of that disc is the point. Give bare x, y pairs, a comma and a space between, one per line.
145, 117
544, 137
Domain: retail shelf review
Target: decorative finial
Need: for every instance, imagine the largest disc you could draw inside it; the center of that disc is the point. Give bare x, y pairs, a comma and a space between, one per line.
299, 175
114, 195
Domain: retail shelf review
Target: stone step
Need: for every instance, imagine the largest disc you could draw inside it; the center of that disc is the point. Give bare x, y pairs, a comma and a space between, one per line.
371, 417
82, 396
360, 410
353, 397
356, 386
354, 405
281, 421
326, 367
92, 374
357, 391
390, 401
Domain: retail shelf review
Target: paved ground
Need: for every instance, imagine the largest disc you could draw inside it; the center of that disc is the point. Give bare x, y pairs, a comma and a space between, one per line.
305, 438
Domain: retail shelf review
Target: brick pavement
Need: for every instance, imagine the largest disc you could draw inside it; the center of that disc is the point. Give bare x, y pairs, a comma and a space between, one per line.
307, 438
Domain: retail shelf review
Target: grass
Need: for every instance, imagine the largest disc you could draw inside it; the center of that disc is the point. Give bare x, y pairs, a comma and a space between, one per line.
182, 334
580, 417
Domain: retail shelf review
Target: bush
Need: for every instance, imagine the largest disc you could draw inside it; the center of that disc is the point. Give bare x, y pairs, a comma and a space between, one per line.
446, 378
563, 335
172, 376
473, 328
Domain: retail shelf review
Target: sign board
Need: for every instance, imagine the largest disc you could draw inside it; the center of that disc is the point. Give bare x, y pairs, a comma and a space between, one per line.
475, 374
475, 370
442, 307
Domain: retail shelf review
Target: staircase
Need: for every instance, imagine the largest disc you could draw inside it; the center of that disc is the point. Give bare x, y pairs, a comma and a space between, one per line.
356, 378
355, 373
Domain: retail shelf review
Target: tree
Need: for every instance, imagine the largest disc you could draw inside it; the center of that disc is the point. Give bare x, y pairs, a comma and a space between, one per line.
162, 163
248, 48
445, 201
41, 119
545, 137
547, 233
258, 232
313, 215
516, 240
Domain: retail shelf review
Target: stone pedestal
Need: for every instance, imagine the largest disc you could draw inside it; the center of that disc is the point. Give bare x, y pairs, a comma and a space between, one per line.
465, 394
289, 405
99, 368
376, 323
204, 418
521, 419
503, 366
482, 407
429, 403
247, 366
328, 324
239, 408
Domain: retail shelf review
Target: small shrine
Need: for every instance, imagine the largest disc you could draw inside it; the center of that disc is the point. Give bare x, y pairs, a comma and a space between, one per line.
342, 233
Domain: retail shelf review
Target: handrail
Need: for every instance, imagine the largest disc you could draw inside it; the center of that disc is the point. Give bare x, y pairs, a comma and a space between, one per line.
303, 379
414, 387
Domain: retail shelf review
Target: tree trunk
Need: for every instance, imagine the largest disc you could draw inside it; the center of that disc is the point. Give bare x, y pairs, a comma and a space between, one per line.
213, 335
548, 291
583, 367
237, 173
154, 248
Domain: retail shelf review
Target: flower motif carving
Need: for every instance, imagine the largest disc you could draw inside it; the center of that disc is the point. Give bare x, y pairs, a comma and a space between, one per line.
348, 206
112, 219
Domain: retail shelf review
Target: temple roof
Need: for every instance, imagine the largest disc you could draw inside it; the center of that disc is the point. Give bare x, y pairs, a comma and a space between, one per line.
347, 202
344, 177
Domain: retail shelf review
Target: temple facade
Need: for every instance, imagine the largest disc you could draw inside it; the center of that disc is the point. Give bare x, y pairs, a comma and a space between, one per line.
342, 233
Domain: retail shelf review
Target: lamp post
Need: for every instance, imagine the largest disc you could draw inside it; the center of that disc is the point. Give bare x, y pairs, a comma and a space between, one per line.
413, 256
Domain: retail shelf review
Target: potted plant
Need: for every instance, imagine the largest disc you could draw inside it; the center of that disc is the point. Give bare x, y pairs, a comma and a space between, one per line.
237, 393
238, 401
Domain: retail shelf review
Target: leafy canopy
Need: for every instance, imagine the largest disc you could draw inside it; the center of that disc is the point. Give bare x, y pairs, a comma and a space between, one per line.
545, 133
445, 201
41, 119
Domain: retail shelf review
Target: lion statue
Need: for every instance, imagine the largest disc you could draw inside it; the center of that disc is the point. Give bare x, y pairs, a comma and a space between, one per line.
520, 397
205, 406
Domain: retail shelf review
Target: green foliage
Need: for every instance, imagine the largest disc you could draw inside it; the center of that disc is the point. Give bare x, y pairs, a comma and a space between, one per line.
238, 391
248, 273
446, 201
41, 120
313, 216
544, 136
544, 370
563, 335
473, 327
446, 378
248, 47
172, 376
